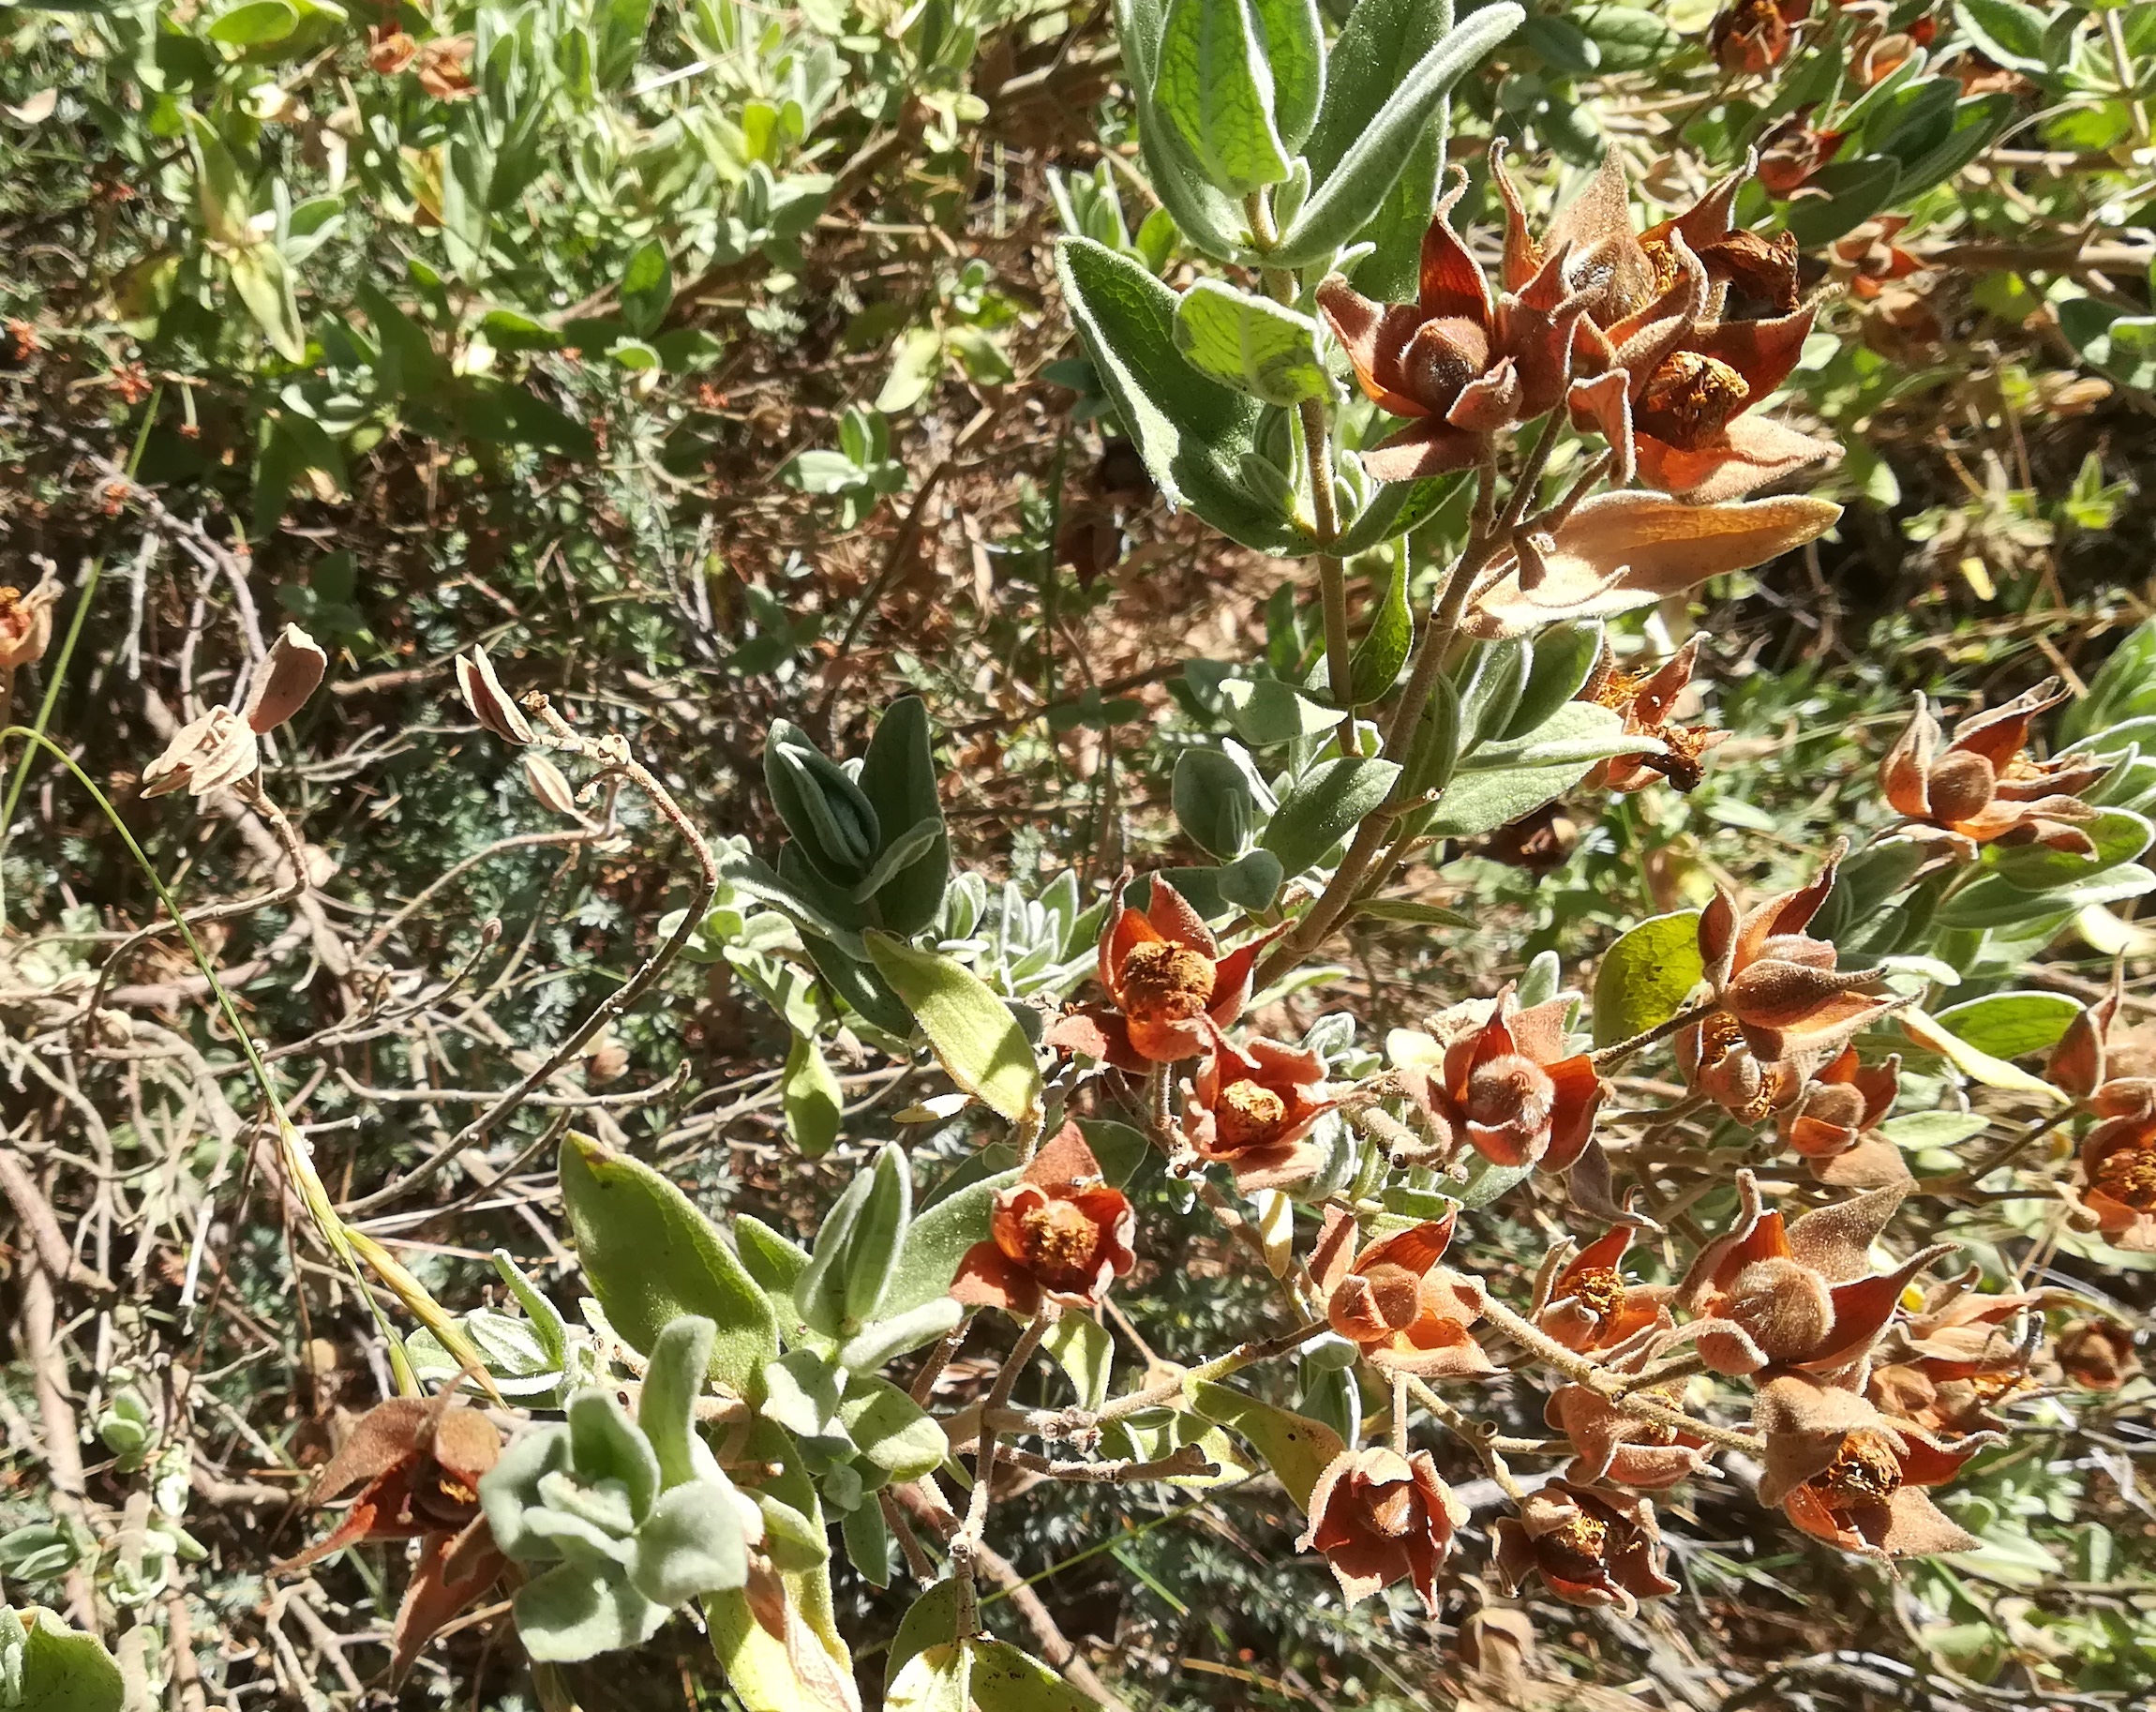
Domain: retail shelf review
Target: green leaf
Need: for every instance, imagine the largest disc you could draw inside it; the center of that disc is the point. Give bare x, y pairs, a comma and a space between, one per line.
1294, 48
263, 283
2007, 32
811, 1098
1489, 695
691, 1544
666, 1407
775, 1264
1191, 432
2118, 834
1295, 1448
2010, 1024
1848, 193
1265, 710
650, 1257
1977, 124
1384, 647
2124, 687
891, 1429
1977, 1065
1345, 201
872, 1252
575, 1610
1118, 1148
1324, 806
1206, 216
1564, 656
57, 1669
895, 1335
253, 23
937, 1240
830, 818
975, 1038
647, 287
1082, 1348
1561, 45
1630, 39
868, 1542
1498, 785
931, 1620
1214, 801
1004, 1679
1252, 343
1644, 976
898, 778
1921, 1130
1378, 47
1991, 901
1400, 910
1212, 83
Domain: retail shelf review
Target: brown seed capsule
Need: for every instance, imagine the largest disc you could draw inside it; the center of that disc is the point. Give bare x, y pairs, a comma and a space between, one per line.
489, 702
285, 680
205, 755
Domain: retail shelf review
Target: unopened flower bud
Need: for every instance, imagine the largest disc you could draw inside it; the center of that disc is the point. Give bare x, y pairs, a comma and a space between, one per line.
205, 755
488, 701
285, 680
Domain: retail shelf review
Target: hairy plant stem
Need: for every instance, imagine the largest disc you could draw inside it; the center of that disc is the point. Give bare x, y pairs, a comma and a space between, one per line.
966, 1543
1479, 1436
1608, 1383
1618, 1051
1315, 421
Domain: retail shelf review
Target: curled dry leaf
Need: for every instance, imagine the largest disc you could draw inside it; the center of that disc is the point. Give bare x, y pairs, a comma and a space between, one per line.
1621, 550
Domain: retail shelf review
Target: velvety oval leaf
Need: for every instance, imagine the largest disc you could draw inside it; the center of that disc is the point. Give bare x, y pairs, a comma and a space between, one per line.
2009, 1025
1324, 807
975, 1038
651, 1256
1294, 1447
1643, 976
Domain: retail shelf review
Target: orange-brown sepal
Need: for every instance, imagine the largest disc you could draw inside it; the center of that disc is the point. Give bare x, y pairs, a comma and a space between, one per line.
1060, 1231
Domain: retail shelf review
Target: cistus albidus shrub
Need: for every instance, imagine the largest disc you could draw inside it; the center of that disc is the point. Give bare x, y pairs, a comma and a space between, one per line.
1757, 1138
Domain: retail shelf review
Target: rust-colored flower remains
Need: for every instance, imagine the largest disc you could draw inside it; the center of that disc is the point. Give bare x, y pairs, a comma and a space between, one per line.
417, 1463
1252, 1107
26, 622
2097, 1354
1755, 36
1853, 1477
1948, 1366
1619, 552
1792, 152
1982, 787
1591, 1306
1796, 1296
1509, 1085
1060, 1231
1380, 1517
1591, 1545
2102, 1067
2118, 1182
1458, 363
1661, 367
1647, 701
1170, 987
1830, 1123
1396, 1304
1627, 1449
1777, 985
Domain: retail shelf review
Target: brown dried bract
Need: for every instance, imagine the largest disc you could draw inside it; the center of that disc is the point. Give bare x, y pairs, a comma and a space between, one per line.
1252, 1107
1060, 1231
1796, 1296
1648, 701
1853, 1477
1170, 987
1396, 1304
1591, 1545
1380, 1517
1509, 1086
1982, 787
